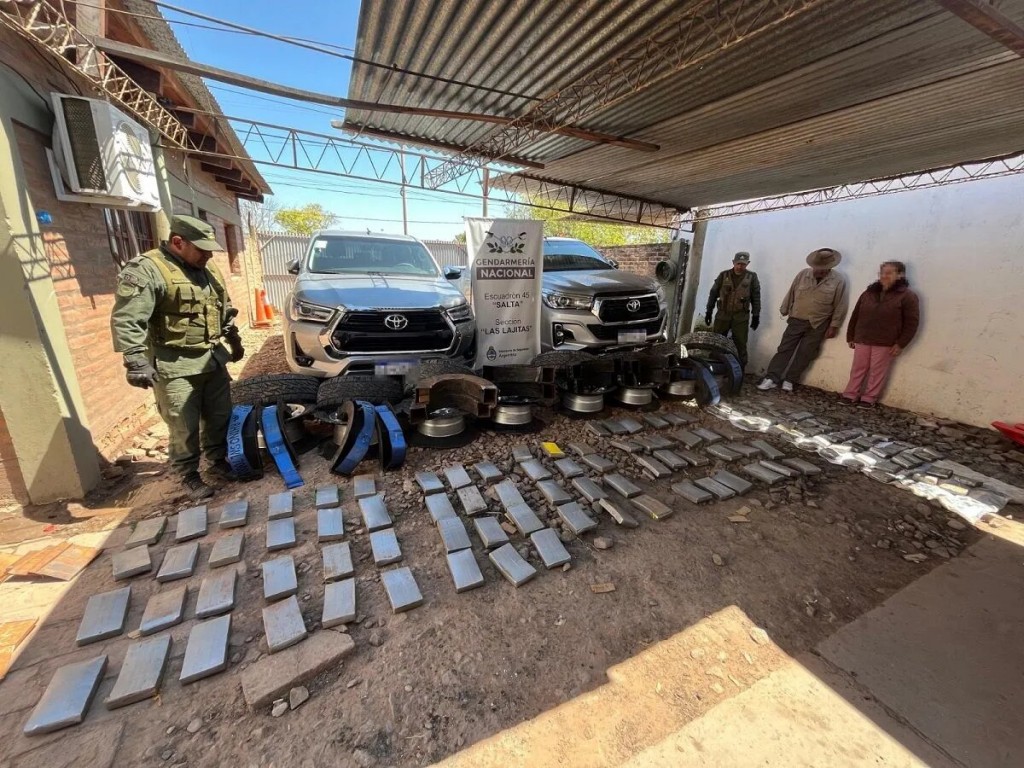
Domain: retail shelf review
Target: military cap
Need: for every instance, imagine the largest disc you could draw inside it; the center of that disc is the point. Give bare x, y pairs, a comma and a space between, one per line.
195, 231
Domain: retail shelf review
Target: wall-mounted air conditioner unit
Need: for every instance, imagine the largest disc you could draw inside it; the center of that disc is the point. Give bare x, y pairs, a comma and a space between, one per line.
101, 156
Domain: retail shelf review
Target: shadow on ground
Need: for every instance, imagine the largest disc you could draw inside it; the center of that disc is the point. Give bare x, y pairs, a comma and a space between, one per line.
465, 667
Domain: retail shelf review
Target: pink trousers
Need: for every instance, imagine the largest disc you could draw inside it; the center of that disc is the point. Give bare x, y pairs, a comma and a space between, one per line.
870, 370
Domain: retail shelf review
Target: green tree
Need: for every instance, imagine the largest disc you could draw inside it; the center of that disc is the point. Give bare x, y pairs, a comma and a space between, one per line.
306, 220
560, 223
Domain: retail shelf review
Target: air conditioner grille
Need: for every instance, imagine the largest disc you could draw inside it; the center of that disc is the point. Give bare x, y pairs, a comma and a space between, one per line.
85, 147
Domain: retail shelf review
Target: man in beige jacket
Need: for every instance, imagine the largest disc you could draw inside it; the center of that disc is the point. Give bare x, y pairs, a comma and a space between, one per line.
816, 305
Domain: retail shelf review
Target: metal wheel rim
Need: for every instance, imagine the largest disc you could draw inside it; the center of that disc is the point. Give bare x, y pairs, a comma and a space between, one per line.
447, 422
583, 403
634, 395
681, 388
512, 415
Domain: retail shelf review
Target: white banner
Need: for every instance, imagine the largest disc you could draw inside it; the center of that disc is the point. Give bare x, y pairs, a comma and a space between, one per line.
506, 263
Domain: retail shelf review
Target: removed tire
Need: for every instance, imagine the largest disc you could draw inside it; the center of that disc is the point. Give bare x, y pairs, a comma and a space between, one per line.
708, 340
373, 389
272, 388
429, 368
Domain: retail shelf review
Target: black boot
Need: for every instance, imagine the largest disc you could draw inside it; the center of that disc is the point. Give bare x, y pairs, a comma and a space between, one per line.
196, 488
221, 470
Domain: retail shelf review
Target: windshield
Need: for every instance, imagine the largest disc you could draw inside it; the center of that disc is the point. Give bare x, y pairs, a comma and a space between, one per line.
369, 255
564, 255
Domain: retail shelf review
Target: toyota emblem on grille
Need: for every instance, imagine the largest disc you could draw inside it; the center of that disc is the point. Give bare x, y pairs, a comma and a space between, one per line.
396, 322
633, 305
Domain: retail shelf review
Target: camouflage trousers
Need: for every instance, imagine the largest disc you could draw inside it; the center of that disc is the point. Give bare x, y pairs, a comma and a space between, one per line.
736, 324
197, 410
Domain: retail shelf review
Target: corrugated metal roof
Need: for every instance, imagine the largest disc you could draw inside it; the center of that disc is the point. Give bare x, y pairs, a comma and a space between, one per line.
850, 90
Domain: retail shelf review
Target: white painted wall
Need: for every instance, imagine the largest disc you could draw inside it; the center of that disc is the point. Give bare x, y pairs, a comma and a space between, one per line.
964, 249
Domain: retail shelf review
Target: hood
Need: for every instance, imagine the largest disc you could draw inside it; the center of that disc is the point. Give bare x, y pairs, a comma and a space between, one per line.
376, 292
593, 282
897, 287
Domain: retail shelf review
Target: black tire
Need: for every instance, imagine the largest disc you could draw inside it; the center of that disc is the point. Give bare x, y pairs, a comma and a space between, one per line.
709, 340
430, 368
373, 389
272, 388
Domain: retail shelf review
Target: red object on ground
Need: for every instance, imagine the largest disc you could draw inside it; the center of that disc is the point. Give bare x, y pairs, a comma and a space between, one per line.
1013, 431
262, 321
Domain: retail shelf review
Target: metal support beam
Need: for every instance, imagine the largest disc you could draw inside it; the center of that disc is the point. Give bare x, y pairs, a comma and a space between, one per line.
957, 174
987, 19
584, 202
177, 64
398, 138
280, 146
49, 29
689, 39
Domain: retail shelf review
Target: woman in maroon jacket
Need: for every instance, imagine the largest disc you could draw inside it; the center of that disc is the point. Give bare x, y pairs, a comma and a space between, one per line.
883, 323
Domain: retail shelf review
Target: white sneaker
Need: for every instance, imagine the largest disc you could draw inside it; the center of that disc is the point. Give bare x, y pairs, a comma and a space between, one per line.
787, 386
767, 384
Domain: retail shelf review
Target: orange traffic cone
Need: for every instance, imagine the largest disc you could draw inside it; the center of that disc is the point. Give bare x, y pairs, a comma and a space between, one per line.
262, 321
267, 308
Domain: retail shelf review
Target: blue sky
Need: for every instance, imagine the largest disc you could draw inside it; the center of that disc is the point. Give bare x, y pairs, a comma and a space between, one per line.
362, 204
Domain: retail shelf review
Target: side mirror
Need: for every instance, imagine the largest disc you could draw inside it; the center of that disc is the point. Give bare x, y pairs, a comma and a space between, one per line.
293, 268
613, 262
452, 272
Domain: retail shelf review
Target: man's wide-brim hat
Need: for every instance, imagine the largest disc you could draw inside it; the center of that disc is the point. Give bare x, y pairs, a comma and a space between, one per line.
824, 258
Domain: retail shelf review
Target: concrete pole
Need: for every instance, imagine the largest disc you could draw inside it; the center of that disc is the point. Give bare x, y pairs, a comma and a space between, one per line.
486, 188
40, 397
691, 278
405, 205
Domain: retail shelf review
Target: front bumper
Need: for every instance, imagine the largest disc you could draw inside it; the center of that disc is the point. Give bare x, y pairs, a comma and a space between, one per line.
310, 349
565, 329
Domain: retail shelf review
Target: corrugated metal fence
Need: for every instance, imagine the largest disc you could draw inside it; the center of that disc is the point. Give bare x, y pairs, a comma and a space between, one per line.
278, 250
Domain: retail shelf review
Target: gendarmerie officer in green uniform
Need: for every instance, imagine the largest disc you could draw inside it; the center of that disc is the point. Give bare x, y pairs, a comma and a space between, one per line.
737, 292
171, 314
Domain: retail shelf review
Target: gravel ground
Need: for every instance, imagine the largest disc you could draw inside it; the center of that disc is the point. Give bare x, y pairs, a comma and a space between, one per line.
800, 561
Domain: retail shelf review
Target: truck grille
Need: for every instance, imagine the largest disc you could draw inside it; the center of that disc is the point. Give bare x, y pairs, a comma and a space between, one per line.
617, 310
369, 332
611, 332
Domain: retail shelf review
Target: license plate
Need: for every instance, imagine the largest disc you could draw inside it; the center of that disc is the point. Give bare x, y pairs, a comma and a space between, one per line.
632, 337
394, 367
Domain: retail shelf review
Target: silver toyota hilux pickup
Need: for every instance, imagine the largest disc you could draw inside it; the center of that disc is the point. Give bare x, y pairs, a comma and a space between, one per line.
590, 304
374, 303
364, 302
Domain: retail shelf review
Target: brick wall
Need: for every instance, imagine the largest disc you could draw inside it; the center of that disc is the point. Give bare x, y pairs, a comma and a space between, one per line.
639, 259
84, 275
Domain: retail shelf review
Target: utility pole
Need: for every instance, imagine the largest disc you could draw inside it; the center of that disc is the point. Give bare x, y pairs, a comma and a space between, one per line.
486, 187
405, 209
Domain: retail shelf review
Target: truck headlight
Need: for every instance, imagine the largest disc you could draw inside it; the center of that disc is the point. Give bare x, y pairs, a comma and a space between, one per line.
557, 300
312, 313
660, 293
460, 313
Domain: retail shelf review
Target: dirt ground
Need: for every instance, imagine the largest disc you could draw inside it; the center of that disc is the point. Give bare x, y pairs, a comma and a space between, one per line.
812, 556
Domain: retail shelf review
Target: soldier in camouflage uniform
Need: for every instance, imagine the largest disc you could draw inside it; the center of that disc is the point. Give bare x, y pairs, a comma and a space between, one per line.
737, 292
170, 315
